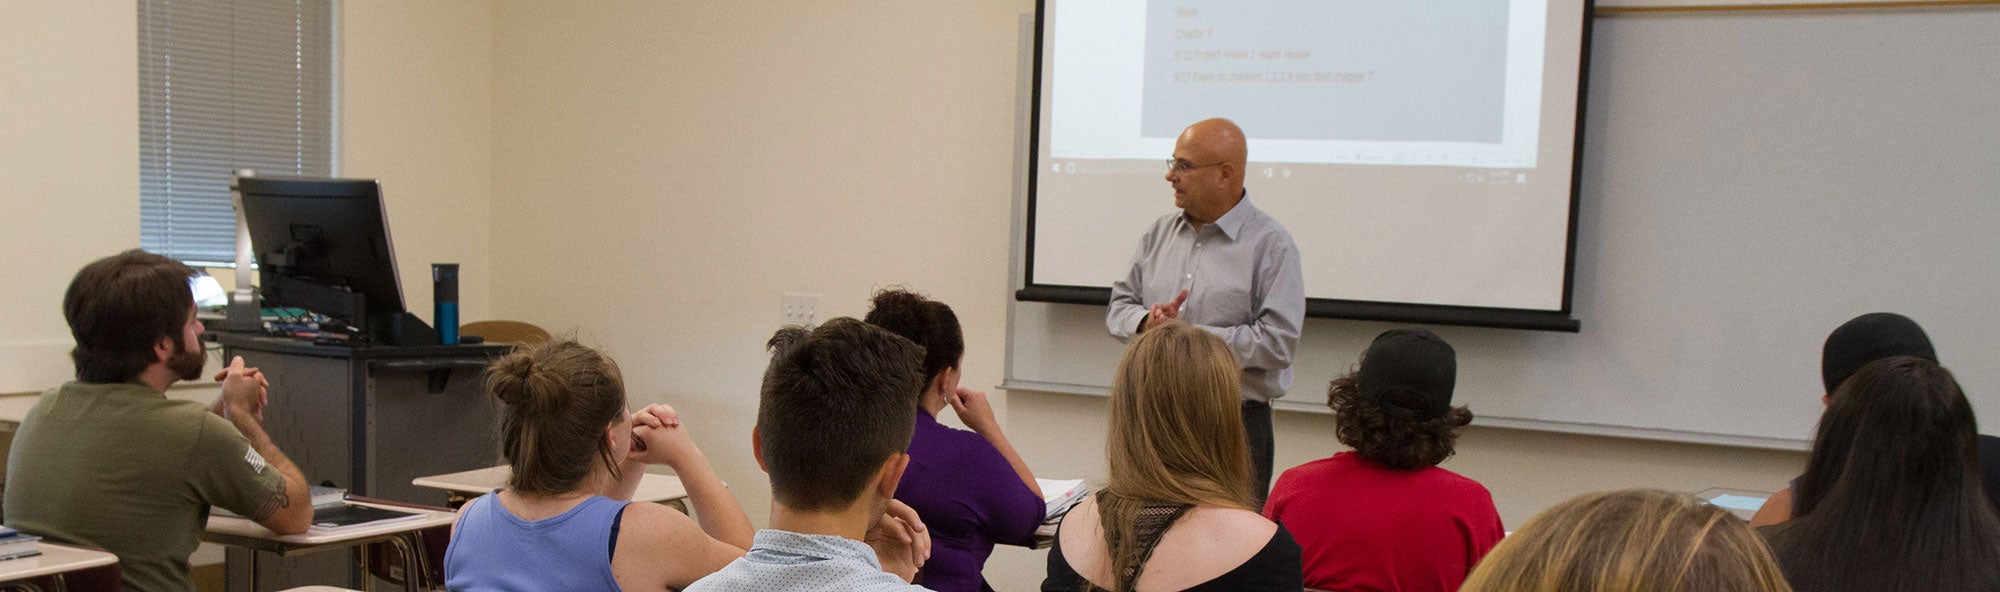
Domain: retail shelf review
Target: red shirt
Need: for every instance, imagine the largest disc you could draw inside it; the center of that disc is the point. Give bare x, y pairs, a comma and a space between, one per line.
1368, 528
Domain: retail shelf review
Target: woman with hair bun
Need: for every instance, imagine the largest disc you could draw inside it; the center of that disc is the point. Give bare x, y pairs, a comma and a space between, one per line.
565, 519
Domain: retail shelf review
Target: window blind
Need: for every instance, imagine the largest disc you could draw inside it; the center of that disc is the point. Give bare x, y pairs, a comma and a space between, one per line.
226, 85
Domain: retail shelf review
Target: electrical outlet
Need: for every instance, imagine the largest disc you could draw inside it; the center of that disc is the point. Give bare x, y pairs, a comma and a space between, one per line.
800, 308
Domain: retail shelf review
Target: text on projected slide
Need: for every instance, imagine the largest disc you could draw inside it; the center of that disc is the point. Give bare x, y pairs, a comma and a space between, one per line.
1391, 70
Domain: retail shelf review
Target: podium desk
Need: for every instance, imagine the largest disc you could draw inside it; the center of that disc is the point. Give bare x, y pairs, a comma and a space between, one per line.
369, 420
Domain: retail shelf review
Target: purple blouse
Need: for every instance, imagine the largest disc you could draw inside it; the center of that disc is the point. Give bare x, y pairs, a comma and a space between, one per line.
970, 499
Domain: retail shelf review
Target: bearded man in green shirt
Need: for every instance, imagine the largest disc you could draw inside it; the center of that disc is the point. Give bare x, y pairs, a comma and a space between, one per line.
109, 461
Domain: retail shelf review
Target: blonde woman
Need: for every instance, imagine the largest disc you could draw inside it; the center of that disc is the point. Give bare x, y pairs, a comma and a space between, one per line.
1178, 511
1637, 540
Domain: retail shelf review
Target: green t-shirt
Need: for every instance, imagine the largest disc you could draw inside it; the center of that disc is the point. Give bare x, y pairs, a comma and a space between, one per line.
124, 468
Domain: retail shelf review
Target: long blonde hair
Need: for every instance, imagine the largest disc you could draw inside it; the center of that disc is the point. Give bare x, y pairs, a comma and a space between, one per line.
1176, 435
1638, 540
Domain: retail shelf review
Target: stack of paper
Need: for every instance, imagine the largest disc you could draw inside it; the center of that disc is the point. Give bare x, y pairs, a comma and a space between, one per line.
1061, 494
327, 496
14, 544
322, 497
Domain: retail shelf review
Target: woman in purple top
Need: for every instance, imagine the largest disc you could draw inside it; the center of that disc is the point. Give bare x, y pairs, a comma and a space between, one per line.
971, 488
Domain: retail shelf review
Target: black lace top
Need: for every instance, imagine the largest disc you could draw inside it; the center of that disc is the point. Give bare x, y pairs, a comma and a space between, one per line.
1275, 567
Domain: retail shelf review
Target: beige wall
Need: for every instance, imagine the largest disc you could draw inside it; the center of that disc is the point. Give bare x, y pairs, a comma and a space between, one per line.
69, 168
416, 112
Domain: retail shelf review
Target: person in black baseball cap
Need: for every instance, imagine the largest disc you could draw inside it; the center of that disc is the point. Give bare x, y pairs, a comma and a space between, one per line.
1384, 516
1856, 343
1870, 337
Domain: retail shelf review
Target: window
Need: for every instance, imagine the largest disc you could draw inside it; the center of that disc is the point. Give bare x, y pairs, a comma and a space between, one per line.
226, 85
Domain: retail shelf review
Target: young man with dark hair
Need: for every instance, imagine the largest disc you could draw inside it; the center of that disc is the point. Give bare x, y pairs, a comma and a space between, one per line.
1858, 342
833, 423
1385, 517
109, 461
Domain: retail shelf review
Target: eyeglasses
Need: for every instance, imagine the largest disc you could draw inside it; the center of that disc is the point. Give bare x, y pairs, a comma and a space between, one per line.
1182, 166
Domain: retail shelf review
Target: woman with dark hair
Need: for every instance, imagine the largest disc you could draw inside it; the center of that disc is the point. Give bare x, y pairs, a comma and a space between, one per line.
565, 520
1178, 508
1384, 517
1891, 499
971, 488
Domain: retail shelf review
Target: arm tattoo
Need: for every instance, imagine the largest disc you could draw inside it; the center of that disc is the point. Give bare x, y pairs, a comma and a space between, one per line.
277, 500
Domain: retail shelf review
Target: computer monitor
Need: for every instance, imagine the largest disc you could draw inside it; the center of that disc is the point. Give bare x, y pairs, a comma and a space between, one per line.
323, 245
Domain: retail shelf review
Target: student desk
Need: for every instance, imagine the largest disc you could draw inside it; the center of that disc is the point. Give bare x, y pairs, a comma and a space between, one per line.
14, 408
401, 534
55, 560
462, 486
1741, 502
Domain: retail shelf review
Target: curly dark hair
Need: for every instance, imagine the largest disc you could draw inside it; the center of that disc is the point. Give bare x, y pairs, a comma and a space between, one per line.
1391, 441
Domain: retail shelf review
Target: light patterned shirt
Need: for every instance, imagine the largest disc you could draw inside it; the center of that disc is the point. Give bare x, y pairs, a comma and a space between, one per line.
781, 560
1244, 285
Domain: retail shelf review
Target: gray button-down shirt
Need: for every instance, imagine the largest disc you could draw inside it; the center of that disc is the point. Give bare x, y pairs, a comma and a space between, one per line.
782, 560
1244, 285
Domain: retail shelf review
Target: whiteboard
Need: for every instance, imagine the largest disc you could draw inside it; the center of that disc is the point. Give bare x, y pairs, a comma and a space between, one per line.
1750, 181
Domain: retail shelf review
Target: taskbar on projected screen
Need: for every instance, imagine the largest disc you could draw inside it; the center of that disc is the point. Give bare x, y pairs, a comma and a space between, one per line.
1479, 159
1281, 171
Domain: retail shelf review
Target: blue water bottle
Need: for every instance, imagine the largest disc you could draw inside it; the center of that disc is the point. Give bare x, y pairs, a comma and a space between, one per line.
444, 292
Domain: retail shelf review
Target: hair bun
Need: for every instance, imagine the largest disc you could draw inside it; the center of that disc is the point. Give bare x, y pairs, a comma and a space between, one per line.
509, 378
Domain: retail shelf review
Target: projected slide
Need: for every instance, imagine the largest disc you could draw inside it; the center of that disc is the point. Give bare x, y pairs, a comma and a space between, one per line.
1419, 82
1420, 152
1317, 70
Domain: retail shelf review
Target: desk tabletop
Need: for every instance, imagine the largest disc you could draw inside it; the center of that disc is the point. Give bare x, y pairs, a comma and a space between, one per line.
14, 408
652, 487
242, 532
54, 559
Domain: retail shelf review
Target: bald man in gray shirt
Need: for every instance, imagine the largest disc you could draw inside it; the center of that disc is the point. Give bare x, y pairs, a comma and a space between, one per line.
1222, 265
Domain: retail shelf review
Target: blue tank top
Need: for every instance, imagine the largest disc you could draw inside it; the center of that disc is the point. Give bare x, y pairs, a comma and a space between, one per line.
494, 550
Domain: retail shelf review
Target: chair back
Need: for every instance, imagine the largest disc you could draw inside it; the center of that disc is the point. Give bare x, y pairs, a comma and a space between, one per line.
515, 332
